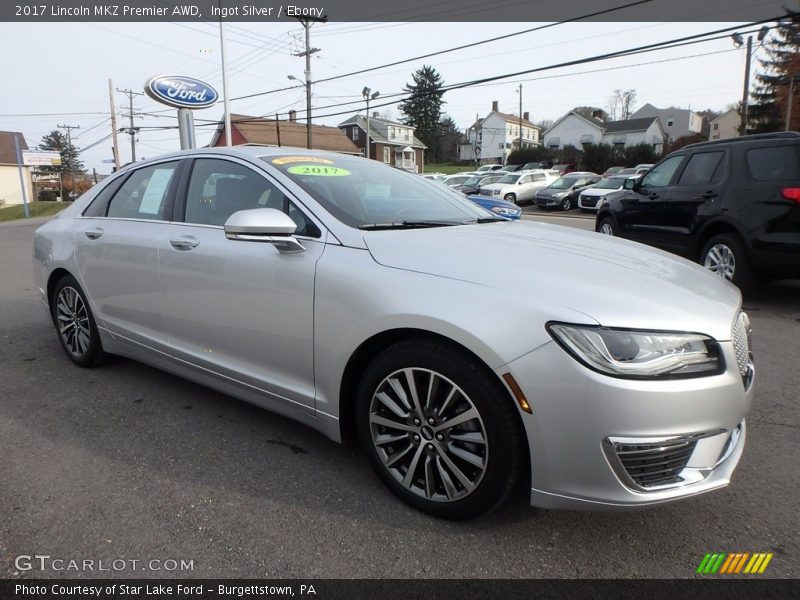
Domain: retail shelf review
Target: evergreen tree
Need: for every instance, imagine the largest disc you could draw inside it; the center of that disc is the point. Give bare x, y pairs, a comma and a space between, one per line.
423, 108
57, 141
768, 111
449, 138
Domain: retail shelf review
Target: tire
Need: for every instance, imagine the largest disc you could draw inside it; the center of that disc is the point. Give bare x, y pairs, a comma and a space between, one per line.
510, 198
78, 336
457, 472
566, 204
726, 256
607, 227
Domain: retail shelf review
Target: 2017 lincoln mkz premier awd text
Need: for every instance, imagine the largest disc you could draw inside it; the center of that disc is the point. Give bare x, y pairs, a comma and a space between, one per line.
466, 353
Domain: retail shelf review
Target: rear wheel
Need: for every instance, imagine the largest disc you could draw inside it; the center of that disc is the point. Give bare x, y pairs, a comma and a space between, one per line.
607, 227
75, 324
725, 256
439, 429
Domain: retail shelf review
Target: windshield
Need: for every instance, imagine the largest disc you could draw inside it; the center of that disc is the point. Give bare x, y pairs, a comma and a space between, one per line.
563, 183
473, 180
361, 192
611, 183
509, 179
626, 172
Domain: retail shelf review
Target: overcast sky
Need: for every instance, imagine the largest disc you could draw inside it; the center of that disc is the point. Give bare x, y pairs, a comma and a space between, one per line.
64, 68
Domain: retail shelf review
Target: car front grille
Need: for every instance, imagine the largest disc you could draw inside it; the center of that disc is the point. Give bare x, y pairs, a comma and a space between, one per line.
741, 346
655, 464
588, 201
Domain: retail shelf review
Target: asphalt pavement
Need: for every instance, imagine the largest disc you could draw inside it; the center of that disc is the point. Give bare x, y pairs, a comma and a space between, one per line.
128, 463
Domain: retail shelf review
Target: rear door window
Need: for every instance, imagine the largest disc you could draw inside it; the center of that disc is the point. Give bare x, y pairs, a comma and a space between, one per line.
774, 163
702, 168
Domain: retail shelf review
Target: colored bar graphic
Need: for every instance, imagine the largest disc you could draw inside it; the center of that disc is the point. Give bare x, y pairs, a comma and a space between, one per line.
733, 563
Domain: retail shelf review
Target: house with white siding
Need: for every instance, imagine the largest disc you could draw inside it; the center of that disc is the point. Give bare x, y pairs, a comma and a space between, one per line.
573, 129
725, 126
491, 139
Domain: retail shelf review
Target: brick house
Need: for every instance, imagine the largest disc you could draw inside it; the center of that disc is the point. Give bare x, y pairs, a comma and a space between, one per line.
247, 130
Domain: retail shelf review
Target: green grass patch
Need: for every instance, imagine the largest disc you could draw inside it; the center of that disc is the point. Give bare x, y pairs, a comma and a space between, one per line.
447, 169
37, 209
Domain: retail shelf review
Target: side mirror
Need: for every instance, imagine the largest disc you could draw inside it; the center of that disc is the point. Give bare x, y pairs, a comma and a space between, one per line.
263, 225
630, 184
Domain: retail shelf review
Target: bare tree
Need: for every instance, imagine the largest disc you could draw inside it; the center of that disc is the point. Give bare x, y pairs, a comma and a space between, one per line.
621, 104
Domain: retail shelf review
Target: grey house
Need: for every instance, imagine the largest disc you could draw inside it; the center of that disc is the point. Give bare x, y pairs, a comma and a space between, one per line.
677, 122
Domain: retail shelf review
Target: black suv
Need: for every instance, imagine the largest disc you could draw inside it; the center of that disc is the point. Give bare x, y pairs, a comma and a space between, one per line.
732, 205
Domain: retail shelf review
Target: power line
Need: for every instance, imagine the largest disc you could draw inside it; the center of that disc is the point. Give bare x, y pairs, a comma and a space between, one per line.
673, 43
462, 47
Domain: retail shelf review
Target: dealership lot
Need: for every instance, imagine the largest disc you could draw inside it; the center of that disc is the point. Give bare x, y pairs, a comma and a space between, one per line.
125, 462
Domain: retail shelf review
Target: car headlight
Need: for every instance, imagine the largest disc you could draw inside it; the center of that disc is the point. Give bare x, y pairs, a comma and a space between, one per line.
639, 354
502, 210
559, 194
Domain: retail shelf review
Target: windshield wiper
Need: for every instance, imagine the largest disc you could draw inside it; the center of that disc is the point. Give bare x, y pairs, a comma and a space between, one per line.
483, 220
408, 225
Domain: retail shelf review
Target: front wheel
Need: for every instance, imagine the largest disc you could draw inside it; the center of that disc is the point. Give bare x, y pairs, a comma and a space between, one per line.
566, 204
75, 325
607, 227
439, 429
725, 256
510, 198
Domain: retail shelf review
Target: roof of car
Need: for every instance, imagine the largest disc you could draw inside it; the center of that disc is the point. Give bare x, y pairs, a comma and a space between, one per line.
755, 137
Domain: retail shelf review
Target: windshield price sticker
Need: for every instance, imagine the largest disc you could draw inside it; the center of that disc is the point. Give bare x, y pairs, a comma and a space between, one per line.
284, 160
318, 171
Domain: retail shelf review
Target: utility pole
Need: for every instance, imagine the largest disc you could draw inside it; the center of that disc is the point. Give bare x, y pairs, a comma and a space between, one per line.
114, 148
520, 116
746, 91
226, 102
790, 100
71, 156
131, 130
307, 22
278, 129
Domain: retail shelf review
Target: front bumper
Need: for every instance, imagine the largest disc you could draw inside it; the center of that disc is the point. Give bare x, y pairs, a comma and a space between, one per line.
581, 419
544, 201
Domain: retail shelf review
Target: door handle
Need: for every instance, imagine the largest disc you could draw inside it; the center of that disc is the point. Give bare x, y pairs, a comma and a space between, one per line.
184, 243
93, 234
654, 196
707, 196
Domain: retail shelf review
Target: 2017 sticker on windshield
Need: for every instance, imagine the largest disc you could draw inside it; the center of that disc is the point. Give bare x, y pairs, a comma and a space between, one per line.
318, 171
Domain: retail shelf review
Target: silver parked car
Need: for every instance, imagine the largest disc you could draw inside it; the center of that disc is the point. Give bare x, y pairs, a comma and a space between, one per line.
466, 354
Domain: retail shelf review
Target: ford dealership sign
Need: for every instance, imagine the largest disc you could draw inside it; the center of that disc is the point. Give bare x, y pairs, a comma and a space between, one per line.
180, 91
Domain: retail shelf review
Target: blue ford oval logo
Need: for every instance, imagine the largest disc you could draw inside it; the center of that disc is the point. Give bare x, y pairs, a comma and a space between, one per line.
180, 91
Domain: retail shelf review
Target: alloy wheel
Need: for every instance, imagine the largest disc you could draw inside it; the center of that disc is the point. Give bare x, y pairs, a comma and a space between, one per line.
428, 434
607, 229
72, 320
721, 260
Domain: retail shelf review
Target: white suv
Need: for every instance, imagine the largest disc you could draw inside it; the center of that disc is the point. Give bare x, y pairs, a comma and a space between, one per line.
520, 187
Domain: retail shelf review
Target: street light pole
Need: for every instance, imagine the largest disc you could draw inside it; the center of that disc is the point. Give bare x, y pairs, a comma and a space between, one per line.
738, 40
307, 22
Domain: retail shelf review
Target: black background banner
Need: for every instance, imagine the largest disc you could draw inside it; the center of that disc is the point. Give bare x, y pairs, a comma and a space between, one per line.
438, 589
405, 11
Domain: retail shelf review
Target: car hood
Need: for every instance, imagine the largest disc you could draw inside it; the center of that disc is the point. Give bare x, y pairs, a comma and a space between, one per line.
548, 192
614, 282
598, 191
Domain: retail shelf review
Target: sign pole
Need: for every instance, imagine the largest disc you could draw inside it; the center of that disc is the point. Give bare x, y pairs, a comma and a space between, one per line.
186, 128
21, 176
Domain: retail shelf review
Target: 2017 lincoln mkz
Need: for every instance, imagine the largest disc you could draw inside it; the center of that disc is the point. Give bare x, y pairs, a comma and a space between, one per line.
466, 353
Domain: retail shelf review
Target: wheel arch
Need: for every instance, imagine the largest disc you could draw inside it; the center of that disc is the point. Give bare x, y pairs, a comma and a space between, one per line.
370, 348
714, 228
52, 281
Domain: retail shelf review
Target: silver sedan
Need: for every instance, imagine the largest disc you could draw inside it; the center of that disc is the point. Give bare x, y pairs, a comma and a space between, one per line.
468, 355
